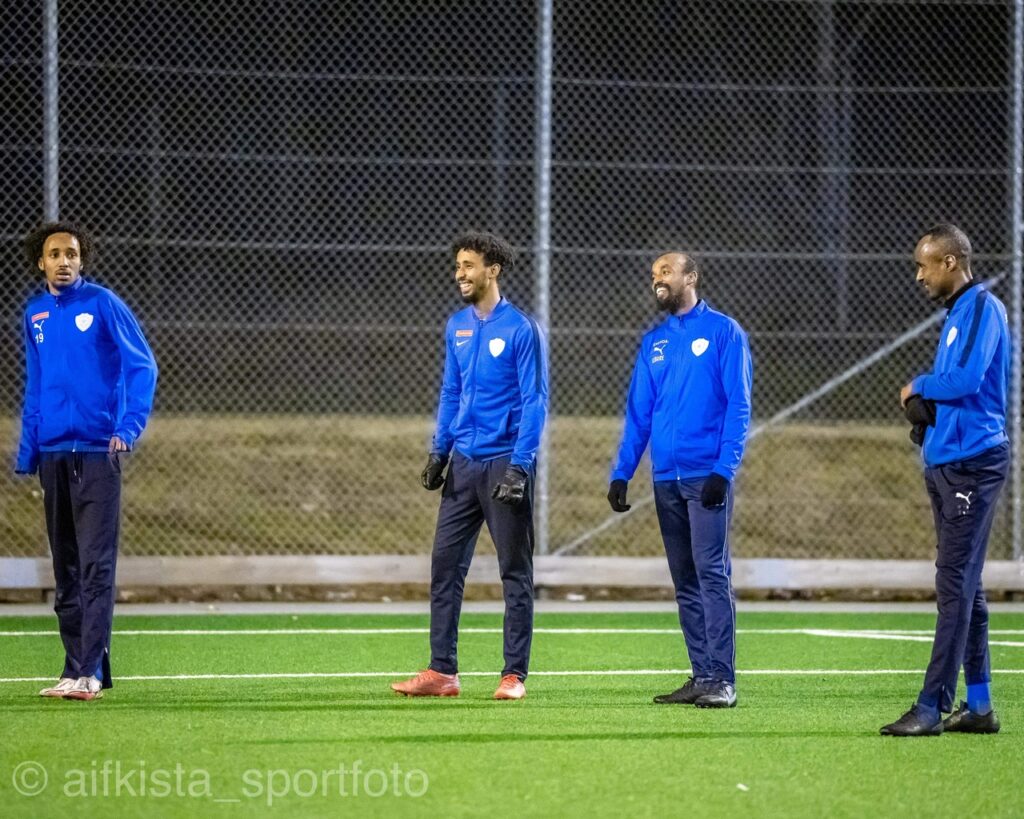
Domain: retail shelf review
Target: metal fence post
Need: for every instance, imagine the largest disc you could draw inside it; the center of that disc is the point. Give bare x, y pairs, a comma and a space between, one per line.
1016, 220
542, 238
51, 114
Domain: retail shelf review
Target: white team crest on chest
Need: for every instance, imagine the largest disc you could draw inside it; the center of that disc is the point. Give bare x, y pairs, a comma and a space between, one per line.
699, 345
83, 321
496, 346
951, 336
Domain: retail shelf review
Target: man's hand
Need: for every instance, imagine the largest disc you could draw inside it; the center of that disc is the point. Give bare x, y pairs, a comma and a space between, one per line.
512, 488
905, 393
433, 473
117, 445
712, 496
617, 496
919, 411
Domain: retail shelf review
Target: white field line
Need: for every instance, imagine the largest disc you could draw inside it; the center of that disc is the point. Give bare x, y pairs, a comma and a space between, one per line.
340, 631
867, 633
632, 672
914, 638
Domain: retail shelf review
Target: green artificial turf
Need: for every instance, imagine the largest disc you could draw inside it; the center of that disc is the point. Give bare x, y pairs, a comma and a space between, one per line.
579, 745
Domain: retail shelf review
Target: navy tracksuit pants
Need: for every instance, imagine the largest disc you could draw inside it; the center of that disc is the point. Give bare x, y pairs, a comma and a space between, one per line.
466, 504
963, 496
82, 504
697, 546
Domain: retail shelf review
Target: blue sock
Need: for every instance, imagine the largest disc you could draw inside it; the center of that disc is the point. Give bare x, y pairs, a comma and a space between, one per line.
979, 698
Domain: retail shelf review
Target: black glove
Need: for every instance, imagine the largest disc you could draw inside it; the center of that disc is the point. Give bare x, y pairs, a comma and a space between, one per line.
617, 496
917, 433
920, 411
715, 489
433, 473
512, 488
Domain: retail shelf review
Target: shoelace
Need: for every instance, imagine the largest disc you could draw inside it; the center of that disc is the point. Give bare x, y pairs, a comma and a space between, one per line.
509, 681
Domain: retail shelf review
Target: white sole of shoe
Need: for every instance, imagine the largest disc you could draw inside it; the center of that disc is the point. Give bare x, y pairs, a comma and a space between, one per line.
84, 696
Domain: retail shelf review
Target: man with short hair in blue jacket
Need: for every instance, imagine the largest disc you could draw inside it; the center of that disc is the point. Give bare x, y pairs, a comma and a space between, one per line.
690, 398
491, 412
90, 379
961, 407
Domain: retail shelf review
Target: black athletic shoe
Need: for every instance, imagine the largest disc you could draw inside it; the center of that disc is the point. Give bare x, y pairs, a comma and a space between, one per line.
687, 695
718, 694
915, 723
967, 722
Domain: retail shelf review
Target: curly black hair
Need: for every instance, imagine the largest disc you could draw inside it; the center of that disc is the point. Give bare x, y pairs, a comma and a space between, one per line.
35, 240
494, 249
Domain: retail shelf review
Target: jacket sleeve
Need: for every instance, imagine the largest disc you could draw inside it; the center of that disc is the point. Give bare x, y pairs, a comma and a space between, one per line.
636, 430
448, 402
532, 371
737, 371
28, 447
138, 369
966, 376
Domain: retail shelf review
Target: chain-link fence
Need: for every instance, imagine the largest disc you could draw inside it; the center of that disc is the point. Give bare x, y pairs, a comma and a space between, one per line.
273, 187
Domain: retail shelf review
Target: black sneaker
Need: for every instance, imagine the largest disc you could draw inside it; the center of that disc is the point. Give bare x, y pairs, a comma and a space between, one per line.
687, 695
967, 722
718, 694
917, 722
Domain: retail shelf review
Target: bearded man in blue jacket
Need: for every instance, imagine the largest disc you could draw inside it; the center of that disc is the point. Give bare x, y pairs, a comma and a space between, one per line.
690, 399
89, 383
490, 418
960, 407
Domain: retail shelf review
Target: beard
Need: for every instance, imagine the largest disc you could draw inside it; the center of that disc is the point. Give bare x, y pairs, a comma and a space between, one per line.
473, 296
670, 302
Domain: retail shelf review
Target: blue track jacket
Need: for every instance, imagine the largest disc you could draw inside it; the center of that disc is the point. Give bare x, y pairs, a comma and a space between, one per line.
89, 374
968, 383
494, 398
690, 396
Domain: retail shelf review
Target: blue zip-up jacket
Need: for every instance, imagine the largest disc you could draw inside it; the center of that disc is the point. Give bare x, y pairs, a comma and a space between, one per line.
89, 374
690, 396
968, 383
494, 398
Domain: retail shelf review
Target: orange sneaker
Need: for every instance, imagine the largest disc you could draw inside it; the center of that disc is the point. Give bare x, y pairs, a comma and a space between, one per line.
510, 688
429, 683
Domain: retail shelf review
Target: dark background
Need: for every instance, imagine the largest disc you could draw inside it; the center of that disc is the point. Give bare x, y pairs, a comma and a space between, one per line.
273, 186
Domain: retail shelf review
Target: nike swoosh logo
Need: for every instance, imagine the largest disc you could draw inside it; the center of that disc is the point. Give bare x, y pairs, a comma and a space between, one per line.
460, 343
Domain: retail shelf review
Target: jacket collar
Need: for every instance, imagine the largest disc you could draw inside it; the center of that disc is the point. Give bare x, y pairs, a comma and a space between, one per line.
698, 310
952, 300
69, 294
499, 308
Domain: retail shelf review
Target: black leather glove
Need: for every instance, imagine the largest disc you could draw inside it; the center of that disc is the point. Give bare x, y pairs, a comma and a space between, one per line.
714, 492
917, 433
920, 411
617, 496
512, 487
433, 473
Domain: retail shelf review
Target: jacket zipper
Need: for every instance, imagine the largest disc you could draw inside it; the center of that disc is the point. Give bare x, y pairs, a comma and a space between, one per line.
473, 370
